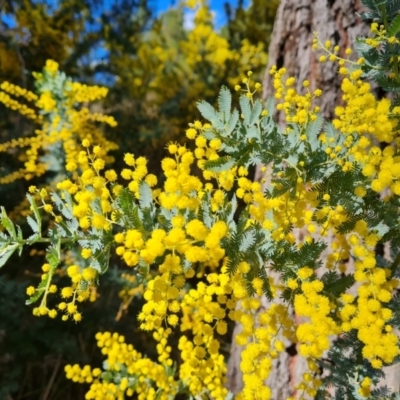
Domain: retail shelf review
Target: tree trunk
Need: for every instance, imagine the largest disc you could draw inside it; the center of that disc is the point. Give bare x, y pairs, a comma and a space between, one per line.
290, 47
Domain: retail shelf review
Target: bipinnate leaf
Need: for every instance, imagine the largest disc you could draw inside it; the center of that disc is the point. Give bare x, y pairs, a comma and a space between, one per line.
225, 102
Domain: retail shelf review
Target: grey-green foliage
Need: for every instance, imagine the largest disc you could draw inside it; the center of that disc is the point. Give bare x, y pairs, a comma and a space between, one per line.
381, 63
64, 234
347, 369
257, 140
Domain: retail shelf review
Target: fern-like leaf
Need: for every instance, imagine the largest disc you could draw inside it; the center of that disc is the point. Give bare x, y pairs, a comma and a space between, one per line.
255, 112
394, 27
207, 111
225, 102
245, 108
313, 130
220, 164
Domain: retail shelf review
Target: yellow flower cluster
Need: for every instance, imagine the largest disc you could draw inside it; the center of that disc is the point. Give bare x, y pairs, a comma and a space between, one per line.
46, 102
83, 93
163, 292
249, 57
365, 387
60, 121
91, 212
298, 108
138, 174
143, 377
89, 187
18, 91
363, 114
370, 120
32, 168
51, 67
380, 36
204, 38
19, 142
250, 88
262, 334
23, 109
83, 279
43, 309
179, 183
367, 314
204, 310
313, 335
82, 289
384, 167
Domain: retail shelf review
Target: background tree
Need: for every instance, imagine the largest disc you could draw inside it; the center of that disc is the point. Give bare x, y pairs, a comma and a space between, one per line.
254, 23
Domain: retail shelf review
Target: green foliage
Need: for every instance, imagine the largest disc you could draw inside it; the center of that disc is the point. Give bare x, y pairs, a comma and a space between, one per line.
346, 367
381, 53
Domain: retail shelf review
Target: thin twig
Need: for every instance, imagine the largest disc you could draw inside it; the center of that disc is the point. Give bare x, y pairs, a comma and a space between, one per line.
53, 376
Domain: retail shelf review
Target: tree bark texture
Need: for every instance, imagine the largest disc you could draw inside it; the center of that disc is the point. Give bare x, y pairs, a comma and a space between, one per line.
291, 47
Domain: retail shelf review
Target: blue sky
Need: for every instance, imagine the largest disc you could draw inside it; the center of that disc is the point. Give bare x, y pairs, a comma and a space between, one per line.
216, 5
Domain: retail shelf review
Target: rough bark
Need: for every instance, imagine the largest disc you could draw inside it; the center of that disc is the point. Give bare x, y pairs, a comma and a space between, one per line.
290, 47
